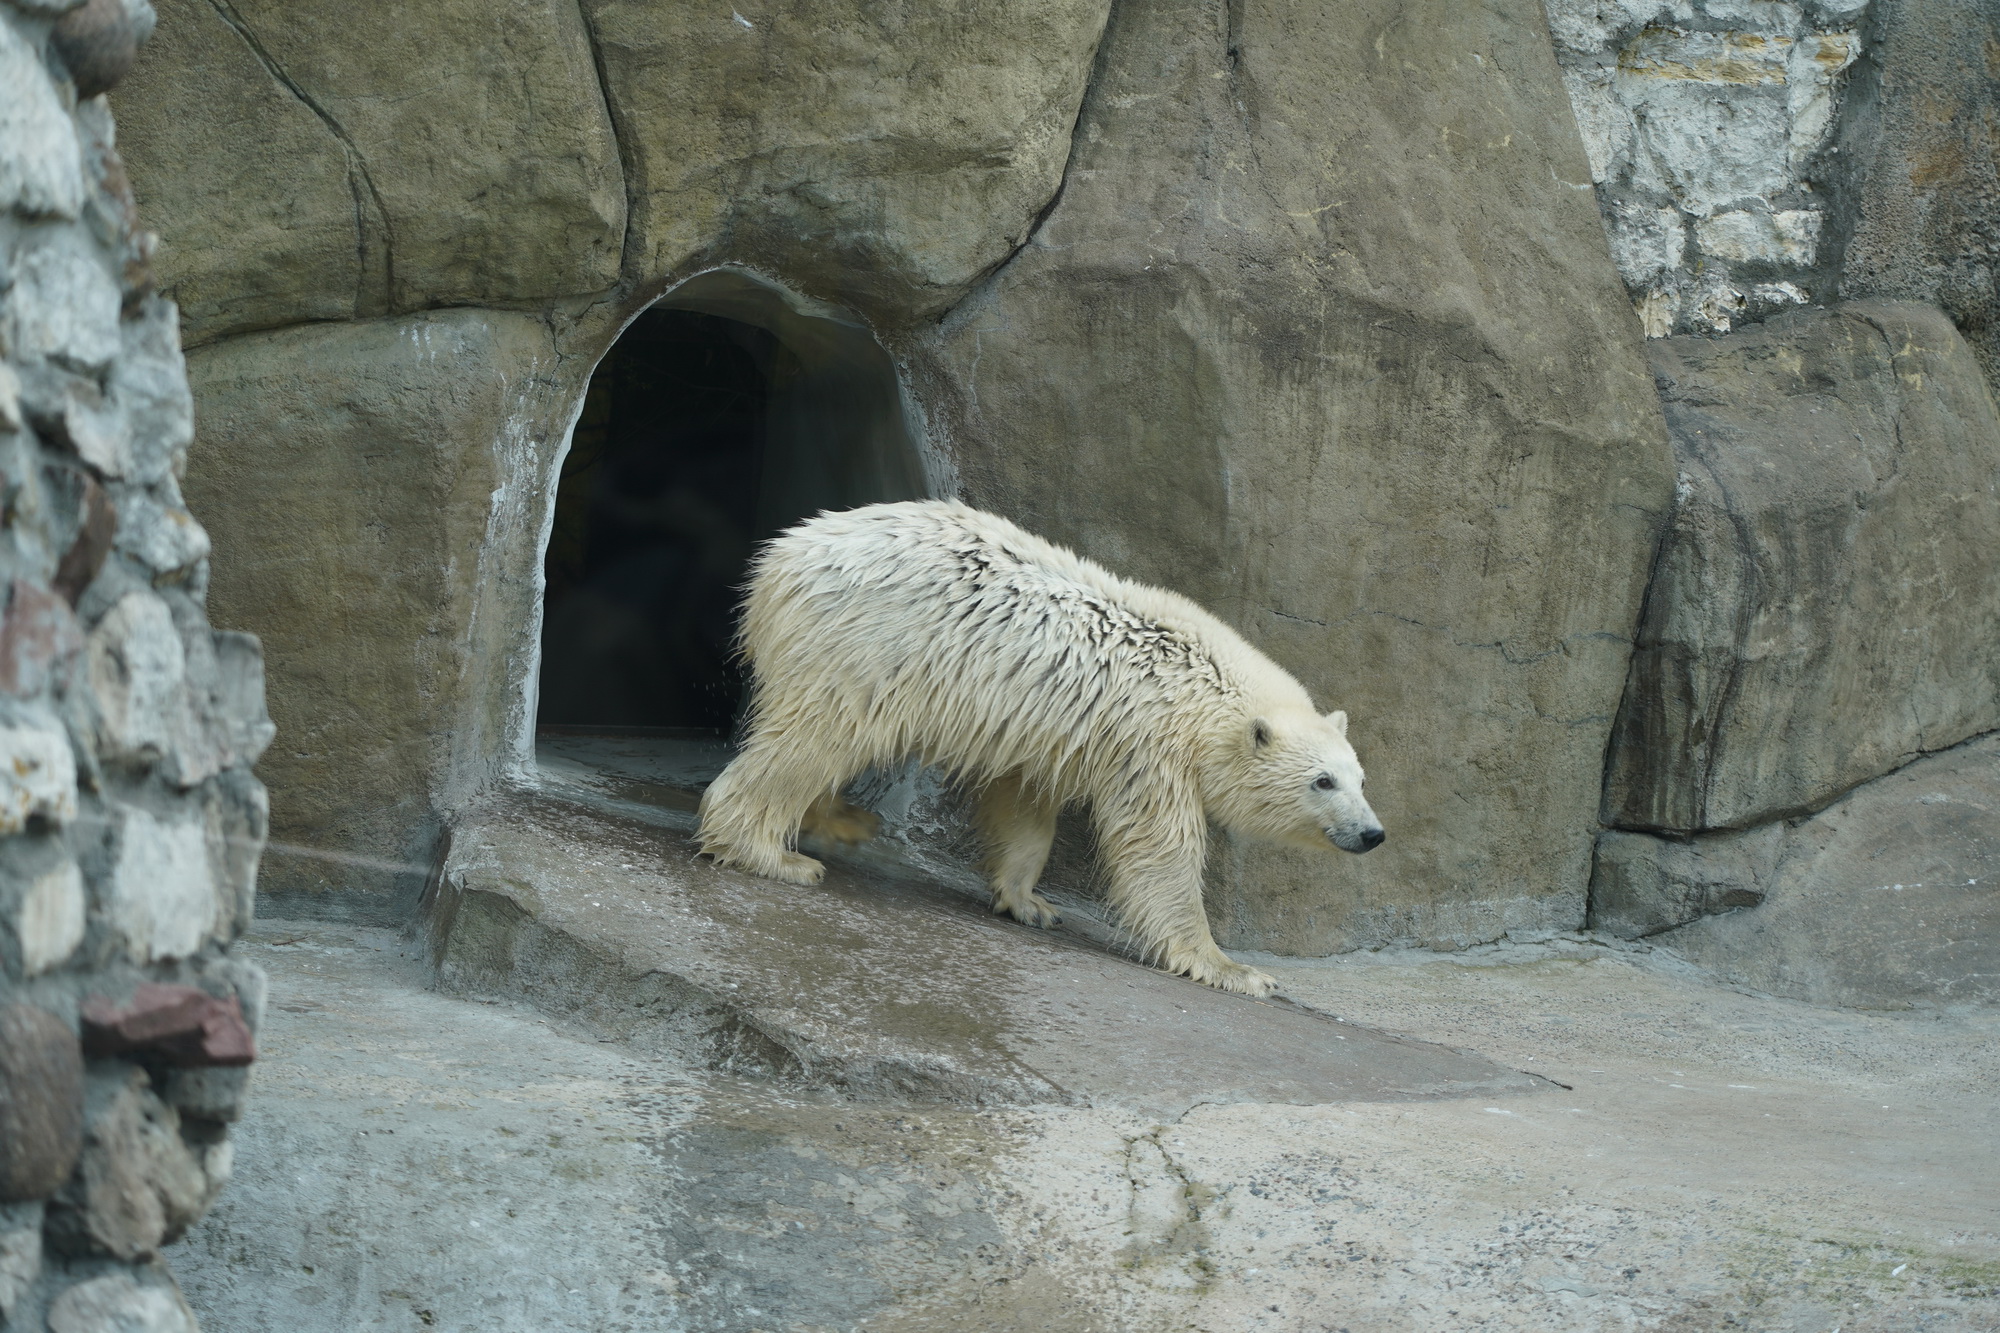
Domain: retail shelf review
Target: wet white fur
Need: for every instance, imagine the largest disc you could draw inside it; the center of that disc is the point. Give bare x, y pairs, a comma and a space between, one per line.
932, 629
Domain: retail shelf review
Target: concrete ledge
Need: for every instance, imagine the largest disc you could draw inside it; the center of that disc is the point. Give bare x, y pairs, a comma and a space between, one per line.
873, 985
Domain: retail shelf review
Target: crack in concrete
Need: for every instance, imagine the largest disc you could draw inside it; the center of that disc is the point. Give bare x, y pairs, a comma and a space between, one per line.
359, 180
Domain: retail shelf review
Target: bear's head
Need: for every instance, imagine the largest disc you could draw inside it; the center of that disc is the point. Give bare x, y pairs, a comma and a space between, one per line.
1298, 781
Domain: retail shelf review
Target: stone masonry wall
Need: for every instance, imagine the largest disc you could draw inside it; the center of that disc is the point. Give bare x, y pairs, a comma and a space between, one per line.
130, 824
1705, 122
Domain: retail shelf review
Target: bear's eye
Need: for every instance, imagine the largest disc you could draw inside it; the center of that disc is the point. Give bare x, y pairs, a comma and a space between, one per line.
1324, 783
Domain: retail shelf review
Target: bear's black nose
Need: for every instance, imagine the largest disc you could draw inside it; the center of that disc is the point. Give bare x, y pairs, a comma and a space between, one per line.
1372, 839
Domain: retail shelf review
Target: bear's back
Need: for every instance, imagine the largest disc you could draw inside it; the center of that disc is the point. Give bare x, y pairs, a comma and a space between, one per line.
940, 580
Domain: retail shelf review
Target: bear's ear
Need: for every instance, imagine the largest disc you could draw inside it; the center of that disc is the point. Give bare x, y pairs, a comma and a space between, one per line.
1337, 719
1260, 733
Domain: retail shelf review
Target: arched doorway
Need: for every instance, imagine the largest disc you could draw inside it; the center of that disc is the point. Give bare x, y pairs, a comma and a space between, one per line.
723, 414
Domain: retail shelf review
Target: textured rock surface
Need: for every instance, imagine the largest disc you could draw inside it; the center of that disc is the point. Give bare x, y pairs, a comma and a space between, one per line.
442, 154
1643, 884
879, 158
1827, 601
378, 454
1705, 121
41, 1102
1886, 899
1376, 400
130, 824
204, 119
1924, 164
117, 1303
139, 1182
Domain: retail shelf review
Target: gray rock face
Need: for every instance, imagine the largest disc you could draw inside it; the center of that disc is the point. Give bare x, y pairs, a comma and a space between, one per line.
1886, 899
1309, 316
882, 164
1643, 884
393, 445
1923, 167
1827, 601
1311, 337
452, 155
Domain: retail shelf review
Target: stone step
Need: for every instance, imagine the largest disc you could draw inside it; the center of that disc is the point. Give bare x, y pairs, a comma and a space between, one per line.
874, 983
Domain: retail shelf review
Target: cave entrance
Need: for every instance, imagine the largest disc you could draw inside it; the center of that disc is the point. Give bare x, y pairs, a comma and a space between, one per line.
723, 414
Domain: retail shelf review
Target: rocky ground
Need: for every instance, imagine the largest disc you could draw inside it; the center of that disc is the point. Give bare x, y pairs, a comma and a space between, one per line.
1699, 1158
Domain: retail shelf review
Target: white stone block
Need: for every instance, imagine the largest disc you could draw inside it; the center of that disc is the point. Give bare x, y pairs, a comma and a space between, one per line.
37, 773
165, 540
150, 387
49, 920
160, 899
1787, 237
138, 672
1602, 120
65, 302
1717, 143
41, 163
1778, 293
10, 398
1815, 62
1646, 242
1777, 18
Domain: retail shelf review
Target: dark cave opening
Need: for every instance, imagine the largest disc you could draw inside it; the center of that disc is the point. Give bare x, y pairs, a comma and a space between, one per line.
655, 519
720, 417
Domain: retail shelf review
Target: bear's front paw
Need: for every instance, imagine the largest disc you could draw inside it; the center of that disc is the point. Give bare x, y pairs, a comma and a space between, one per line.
1244, 980
1238, 978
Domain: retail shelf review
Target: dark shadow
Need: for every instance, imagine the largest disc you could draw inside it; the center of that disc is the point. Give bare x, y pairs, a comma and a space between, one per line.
721, 416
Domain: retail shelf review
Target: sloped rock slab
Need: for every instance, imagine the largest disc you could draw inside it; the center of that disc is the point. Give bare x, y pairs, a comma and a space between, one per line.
877, 987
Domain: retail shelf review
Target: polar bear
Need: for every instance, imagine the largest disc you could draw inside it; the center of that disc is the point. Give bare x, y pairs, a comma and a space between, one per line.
931, 629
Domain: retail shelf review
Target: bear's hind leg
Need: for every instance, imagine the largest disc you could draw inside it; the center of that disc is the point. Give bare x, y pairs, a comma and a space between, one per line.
836, 819
751, 814
1019, 824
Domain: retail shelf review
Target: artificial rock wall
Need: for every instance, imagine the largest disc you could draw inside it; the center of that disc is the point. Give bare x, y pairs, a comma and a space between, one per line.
1337, 319
130, 824
1800, 786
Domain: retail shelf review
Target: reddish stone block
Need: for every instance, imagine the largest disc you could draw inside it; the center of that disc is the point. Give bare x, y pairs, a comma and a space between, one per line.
178, 1025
